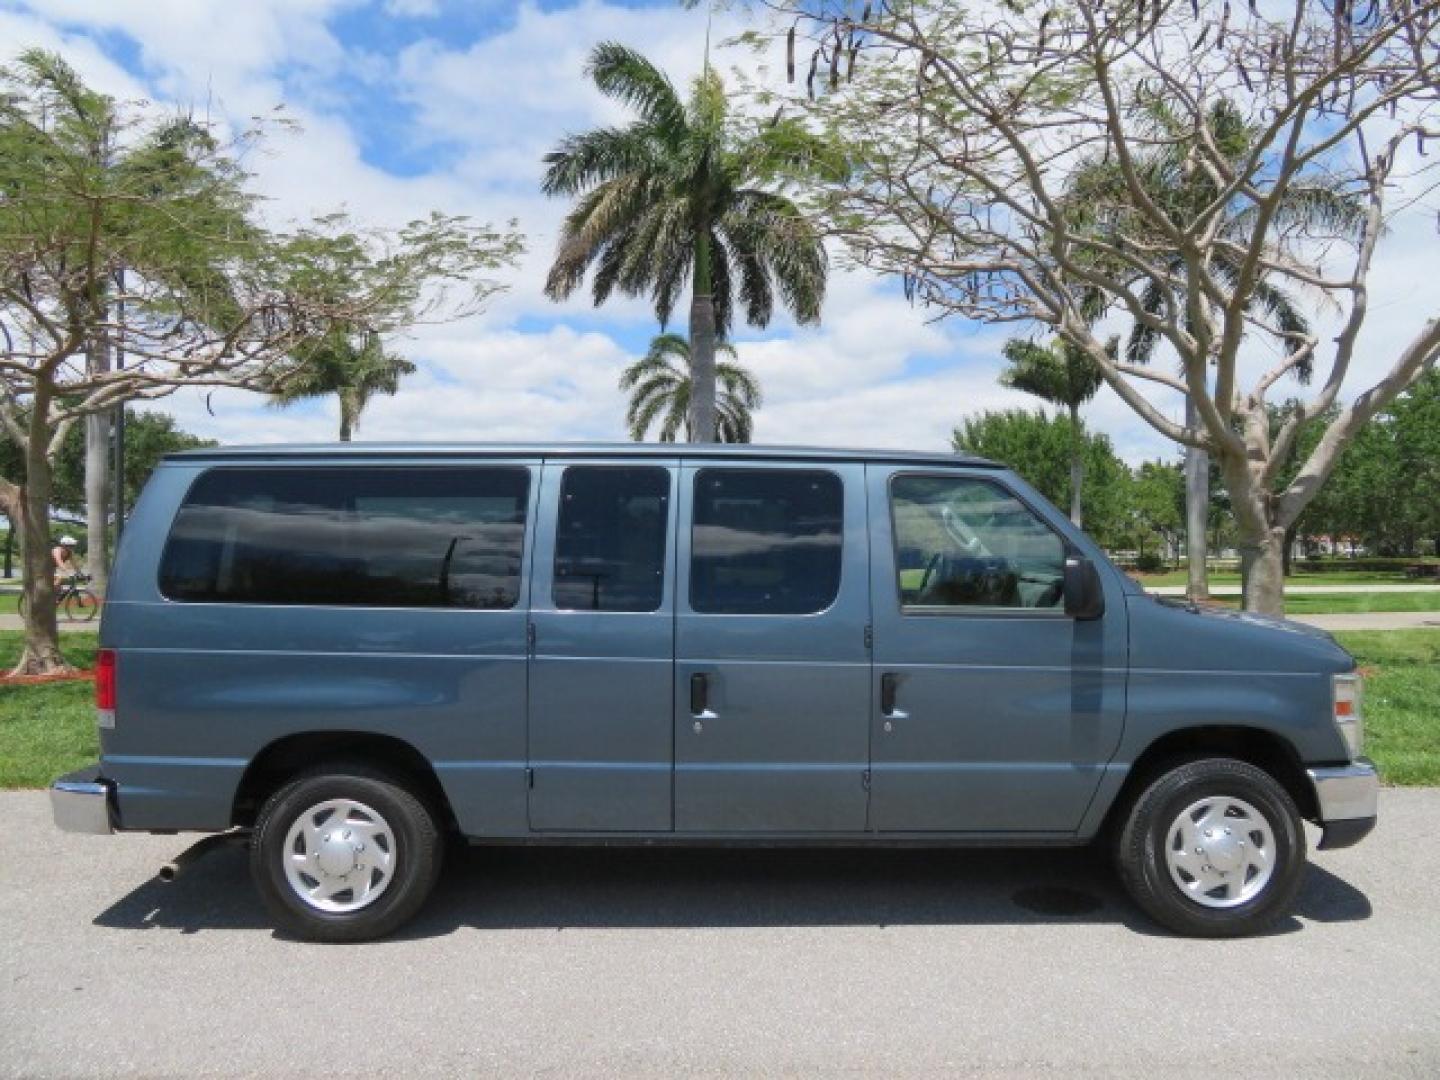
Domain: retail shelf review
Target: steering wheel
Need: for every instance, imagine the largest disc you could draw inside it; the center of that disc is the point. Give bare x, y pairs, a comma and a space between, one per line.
929, 573
967, 541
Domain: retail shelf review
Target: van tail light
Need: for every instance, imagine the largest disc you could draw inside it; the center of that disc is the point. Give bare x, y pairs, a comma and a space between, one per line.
1348, 719
105, 688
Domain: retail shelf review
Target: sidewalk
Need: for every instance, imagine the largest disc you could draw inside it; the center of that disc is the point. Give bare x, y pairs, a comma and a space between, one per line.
1373, 620
12, 622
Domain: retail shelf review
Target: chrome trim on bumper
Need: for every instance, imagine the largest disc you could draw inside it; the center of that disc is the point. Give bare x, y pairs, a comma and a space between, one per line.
1347, 791
82, 802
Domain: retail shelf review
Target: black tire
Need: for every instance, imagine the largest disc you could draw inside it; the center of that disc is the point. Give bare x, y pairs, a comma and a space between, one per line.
1141, 854
82, 605
418, 853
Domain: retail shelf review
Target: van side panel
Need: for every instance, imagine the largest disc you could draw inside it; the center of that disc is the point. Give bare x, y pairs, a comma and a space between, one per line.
214, 683
780, 744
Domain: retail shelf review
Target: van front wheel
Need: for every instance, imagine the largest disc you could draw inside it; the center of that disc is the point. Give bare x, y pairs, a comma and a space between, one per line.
344, 854
1213, 848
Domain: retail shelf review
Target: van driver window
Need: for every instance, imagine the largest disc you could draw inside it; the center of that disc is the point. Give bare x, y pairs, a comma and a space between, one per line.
765, 541
966, 543
368, 537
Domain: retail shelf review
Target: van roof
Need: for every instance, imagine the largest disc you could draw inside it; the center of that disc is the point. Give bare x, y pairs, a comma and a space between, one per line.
715, 451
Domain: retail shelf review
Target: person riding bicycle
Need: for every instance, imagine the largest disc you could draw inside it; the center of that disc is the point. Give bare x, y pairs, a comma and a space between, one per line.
66, 565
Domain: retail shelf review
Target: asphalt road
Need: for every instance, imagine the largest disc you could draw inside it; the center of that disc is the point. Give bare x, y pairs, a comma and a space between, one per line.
667, 963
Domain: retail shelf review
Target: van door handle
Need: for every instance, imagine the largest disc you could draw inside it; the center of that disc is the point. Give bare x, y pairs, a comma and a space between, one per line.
888, 686
699, 694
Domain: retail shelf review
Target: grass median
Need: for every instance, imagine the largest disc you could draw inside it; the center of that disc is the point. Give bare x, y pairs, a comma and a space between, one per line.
1219, 578
1351, 603
46, 730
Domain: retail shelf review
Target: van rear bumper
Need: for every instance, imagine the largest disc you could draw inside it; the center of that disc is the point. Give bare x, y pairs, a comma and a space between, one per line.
84, 802
1348, 797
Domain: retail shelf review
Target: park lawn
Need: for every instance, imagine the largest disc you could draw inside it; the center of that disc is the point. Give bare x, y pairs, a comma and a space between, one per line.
1351, 603
9, 602
46, 730
1315, 604
1402, 701
1318, 577
49, 730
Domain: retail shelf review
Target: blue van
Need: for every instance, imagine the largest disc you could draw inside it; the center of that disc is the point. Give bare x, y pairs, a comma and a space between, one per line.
354, 652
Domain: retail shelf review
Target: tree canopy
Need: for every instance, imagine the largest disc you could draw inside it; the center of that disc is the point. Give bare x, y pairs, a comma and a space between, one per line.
660, 382
124, 226
1038, 447
1242, 155
687, 194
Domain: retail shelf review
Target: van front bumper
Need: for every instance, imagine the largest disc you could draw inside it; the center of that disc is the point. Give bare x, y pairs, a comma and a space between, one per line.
84, 802
1348, 797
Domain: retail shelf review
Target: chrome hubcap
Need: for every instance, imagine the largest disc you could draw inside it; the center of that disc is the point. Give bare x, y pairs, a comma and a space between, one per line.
1220, 851
339, 856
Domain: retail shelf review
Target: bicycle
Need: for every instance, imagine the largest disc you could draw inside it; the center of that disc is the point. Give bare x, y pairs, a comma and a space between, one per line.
78, 602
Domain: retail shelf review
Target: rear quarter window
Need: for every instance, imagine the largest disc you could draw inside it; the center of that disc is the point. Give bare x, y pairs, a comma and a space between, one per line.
375, 537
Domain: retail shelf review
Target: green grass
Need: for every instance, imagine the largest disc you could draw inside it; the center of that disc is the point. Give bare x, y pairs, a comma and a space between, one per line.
49, 730
1402, 701
1351, 603
46, 730
1318, 577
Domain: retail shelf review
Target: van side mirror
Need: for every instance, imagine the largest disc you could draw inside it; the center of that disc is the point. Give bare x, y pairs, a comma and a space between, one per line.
1084, 595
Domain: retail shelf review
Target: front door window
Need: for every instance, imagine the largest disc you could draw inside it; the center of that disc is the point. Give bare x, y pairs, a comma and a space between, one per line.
967, 543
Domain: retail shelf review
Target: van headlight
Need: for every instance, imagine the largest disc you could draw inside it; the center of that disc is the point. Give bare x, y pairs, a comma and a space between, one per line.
1345, 693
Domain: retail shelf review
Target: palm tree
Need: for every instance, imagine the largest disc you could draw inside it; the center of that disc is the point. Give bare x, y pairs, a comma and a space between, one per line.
1064, 375
679, 195
353, 374
1099, 194
659, 385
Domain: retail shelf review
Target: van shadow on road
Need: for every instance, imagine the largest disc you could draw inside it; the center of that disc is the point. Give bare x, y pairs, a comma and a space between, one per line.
565, 888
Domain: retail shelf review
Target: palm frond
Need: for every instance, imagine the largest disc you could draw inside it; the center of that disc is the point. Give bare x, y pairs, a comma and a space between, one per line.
722, 285
594, 157
659, 383
774, 233
624, 75
677, 419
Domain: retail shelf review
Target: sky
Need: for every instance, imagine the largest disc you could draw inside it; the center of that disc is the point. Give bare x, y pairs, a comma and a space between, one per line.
404, 106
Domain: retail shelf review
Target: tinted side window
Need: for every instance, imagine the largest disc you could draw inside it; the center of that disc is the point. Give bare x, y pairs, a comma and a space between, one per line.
961, 542
610, 539
765, 542
350, 536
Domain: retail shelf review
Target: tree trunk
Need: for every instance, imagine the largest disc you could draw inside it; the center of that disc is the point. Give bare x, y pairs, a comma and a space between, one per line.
1261, 533
1262, 566
347, 417
97, 477
9, 546
1197, 512
1077, 467
1288, 554
702, 348
97, 499
41, 654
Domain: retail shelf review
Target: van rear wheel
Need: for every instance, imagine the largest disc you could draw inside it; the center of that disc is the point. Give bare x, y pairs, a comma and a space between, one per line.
1213, 848
344, 853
